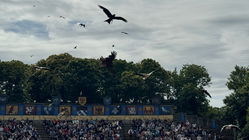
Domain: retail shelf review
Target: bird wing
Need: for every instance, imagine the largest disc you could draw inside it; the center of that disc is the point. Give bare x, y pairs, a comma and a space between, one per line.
141, 74
120, 18
223, 127
151, 72
235, 126
205, 91
107, 12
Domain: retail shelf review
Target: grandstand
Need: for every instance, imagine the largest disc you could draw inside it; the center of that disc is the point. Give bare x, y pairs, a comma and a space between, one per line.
93, 122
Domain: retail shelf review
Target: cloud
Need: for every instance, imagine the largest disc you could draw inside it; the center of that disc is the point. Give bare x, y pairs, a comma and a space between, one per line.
27, 27
231, 20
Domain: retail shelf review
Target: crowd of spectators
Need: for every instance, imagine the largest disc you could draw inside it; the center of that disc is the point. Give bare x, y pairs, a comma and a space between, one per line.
105, 130
18, 130
83, 129
167, 130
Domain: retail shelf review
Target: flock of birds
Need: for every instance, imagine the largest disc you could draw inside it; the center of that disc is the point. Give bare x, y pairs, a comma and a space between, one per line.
108, 61
110, 16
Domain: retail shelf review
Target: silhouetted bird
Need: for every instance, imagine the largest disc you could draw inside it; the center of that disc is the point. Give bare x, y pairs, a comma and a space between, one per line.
146, 75
230, 126
108, 61
31, 55
75, 47
62, 17
82, 25
113, 45
111, 16
206, 92
125, 33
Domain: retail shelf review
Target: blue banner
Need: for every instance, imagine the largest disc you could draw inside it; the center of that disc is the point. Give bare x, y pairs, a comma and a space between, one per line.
74, 109
157, 110
21, 109
90, 110
87, 110
139, 109
107, 110
2, 109
123, 110
38, 109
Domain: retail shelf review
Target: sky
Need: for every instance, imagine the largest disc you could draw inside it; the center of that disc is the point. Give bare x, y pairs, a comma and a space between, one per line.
213, 33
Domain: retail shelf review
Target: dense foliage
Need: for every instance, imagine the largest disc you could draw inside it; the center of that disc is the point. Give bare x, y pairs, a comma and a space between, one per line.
66, 77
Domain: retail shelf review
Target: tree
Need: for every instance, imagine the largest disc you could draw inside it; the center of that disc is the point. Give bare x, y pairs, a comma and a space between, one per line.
83, 75
245, 130
238, 101
188, 86
13, 79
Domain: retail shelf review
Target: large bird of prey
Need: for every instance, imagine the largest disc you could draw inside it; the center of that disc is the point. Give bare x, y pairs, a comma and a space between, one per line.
146, 75
111, 16
108, 61
206, 92
230, 126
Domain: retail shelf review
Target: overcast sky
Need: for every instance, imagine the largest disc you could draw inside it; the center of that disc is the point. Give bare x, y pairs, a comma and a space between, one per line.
211, 33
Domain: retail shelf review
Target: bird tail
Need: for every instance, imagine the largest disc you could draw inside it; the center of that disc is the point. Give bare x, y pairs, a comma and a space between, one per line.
108, 20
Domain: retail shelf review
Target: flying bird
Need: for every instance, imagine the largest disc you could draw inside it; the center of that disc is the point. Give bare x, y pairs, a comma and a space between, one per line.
62, 17
75, 47
31, 55
125, 33
111, 16
113, 45
146, 75
82, 25
206, 92
108, 61
230, 126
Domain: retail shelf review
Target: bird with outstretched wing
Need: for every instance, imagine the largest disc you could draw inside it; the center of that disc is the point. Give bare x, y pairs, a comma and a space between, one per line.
146, 75
108, 61
230, 126
111, 16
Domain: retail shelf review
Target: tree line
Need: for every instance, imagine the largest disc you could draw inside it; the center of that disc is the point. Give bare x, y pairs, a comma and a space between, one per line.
67, 77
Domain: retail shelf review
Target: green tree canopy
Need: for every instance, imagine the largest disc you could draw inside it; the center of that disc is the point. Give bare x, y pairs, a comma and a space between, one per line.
238, 101
13, 79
